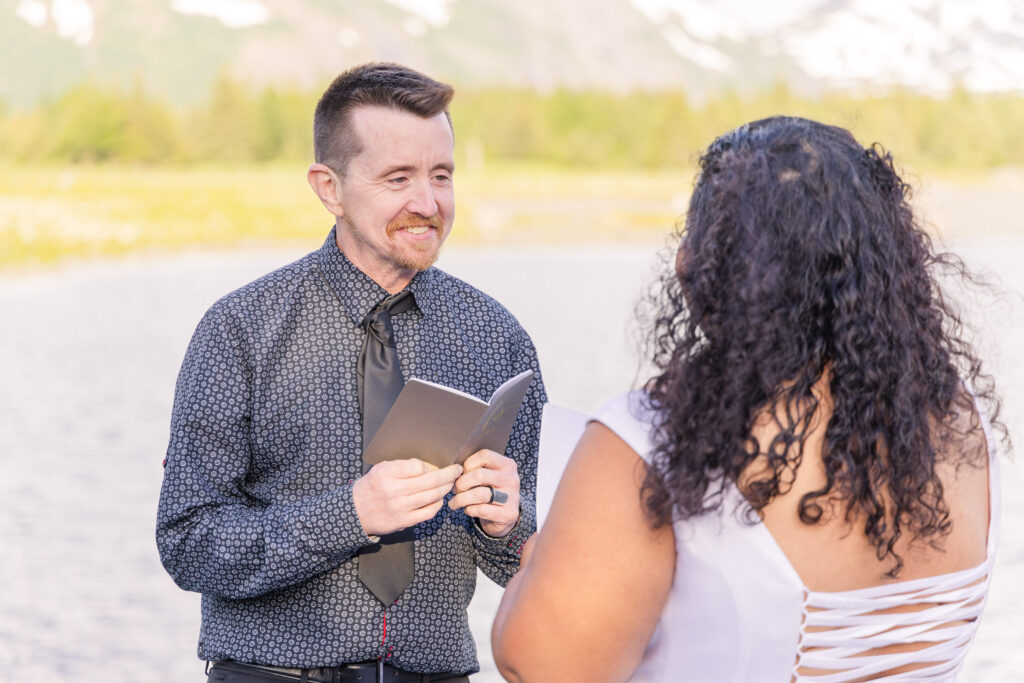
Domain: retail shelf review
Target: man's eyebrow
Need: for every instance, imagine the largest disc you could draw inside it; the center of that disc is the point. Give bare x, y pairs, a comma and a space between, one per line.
404, 168
408, 168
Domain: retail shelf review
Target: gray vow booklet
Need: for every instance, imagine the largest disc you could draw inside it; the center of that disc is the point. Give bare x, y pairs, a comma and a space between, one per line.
444, 426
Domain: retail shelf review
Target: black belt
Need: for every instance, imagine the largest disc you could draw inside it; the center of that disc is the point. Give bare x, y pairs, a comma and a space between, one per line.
357, 672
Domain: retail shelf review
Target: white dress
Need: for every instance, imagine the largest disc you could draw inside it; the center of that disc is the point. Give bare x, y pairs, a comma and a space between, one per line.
738, 612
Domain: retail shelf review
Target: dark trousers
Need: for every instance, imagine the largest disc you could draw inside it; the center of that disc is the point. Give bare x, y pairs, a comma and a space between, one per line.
227, 673
233, 672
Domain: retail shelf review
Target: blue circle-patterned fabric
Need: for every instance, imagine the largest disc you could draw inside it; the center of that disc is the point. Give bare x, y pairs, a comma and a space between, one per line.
256, 509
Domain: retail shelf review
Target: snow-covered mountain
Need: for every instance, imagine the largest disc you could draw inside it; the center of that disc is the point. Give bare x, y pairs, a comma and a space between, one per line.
927, 45
177, 47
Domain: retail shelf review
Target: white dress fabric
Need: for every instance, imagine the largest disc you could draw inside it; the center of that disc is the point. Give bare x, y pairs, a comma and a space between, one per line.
739, 613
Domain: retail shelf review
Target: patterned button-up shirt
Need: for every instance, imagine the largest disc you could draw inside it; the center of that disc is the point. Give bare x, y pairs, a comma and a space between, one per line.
256, 511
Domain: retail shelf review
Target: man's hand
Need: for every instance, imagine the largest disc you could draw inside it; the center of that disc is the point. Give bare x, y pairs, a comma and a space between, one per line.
398, 494
486, 470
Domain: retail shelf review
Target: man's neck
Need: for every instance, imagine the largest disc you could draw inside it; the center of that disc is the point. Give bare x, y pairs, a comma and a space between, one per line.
391, 279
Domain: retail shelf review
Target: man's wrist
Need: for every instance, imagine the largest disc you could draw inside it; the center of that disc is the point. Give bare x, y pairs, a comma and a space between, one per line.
497, 537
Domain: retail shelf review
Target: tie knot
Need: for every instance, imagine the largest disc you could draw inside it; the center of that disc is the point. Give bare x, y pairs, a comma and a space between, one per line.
378, 321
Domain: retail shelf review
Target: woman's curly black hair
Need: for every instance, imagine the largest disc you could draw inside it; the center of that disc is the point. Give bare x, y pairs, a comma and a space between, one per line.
800, 259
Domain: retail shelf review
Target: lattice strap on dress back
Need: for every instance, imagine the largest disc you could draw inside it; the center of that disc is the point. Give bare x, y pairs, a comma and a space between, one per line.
932, 620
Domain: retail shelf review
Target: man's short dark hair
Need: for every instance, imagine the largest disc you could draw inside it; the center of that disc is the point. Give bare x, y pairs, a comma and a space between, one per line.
379, 84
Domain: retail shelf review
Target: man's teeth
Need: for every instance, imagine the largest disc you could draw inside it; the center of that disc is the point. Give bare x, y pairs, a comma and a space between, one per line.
418, 230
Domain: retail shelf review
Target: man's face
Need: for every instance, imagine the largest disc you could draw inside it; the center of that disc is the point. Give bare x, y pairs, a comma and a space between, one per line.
397, 195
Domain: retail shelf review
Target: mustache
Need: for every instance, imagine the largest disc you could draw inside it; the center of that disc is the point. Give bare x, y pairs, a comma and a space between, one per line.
410, 220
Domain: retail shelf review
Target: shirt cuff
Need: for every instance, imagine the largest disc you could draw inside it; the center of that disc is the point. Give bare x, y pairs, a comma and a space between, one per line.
517, 537
342, 534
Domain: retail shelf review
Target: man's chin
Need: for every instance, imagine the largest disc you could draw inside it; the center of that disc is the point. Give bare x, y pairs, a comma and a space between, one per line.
418, 260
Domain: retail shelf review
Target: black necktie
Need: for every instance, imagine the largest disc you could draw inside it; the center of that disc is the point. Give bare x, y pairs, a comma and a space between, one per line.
385, 567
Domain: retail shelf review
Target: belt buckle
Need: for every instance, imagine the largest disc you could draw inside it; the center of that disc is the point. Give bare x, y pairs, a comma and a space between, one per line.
373, 669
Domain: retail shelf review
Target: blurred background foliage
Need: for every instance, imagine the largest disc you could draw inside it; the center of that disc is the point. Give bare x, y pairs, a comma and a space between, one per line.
102, 170
92, 123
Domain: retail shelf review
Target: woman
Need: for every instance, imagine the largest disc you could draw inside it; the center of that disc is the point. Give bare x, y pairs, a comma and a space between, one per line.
805, 491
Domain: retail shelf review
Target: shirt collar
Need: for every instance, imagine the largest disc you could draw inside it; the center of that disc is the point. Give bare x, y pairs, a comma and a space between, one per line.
358, 293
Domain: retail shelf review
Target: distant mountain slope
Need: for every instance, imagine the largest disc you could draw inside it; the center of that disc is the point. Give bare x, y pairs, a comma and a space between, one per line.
176, 48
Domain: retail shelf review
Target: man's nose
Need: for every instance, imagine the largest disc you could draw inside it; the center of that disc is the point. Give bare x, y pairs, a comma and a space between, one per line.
422, 201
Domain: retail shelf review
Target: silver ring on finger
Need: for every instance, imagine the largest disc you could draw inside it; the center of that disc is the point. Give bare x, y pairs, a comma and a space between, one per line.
491, 500
498, 497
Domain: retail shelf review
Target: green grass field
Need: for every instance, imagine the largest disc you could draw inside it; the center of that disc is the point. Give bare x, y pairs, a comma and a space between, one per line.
54, 213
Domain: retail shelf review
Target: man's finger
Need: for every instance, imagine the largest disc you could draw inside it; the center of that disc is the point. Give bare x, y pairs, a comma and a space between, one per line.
418, 475
403, 469
484, 458
424, 513
485, 476
420, 499
495, 514
431, 480
473, 479
470, 497
478, 495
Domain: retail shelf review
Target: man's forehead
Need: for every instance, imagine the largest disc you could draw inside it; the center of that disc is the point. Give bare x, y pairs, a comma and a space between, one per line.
393, 137
371, 119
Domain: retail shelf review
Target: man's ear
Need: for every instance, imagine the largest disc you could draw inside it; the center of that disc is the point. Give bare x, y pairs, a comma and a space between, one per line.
327, 186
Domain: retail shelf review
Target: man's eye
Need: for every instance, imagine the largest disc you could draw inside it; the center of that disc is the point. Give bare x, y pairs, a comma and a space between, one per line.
398, 180
443, 178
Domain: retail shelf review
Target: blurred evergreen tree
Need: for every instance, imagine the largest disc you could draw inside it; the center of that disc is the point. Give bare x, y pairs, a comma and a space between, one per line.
90, 123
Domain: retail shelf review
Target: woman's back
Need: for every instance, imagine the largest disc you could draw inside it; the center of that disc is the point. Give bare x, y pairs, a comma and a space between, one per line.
809, 443
782, 598
852, 560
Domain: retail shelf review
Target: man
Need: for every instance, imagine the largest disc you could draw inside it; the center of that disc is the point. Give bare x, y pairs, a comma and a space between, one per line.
313, 565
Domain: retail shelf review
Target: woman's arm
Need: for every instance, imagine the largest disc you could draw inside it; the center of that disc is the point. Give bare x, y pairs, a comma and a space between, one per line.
593, 584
